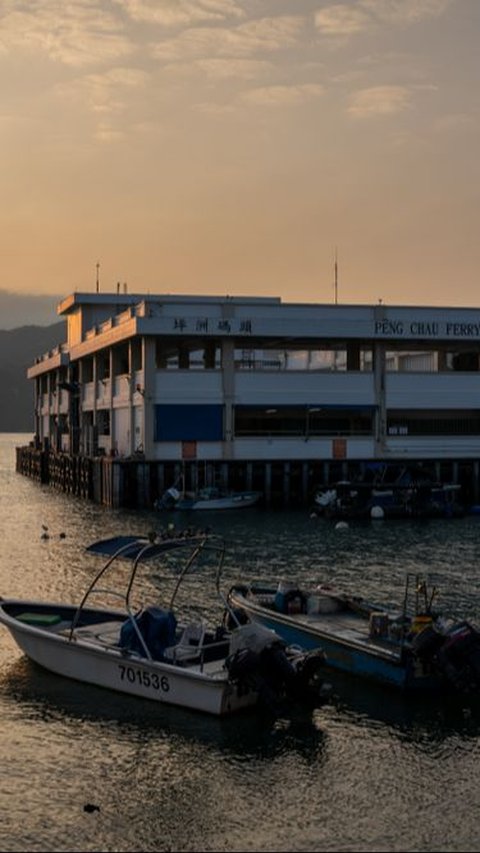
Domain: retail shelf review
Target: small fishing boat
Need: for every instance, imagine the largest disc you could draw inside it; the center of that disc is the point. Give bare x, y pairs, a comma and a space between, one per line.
211, 497
390, 492
410, 647
145, 651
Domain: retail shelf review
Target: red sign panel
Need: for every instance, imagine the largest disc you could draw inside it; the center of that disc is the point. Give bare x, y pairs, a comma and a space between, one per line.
189, 449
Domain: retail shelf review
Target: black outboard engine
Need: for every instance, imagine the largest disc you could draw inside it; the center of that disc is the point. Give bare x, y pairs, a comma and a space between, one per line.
261, 660
459, 657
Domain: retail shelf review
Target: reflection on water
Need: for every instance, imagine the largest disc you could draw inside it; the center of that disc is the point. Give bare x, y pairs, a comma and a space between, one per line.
371, 770
28, 690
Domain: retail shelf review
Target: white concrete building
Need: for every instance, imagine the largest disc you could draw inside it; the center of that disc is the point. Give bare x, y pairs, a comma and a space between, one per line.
230, 378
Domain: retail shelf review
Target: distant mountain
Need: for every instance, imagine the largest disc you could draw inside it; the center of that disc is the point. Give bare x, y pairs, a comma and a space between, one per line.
23, 309
18, 350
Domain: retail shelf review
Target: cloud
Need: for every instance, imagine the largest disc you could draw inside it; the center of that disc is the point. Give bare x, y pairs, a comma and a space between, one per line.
405, 12
172, 13
265, 35
102, 93
379, 100
348, 19
283, 95
342, 20
76, 33
245, 69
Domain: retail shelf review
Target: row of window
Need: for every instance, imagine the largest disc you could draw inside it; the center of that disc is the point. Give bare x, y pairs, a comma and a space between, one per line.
178, 355
206, 422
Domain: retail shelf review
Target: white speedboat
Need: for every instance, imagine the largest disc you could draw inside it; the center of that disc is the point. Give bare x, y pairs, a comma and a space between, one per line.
145, 652
211, 497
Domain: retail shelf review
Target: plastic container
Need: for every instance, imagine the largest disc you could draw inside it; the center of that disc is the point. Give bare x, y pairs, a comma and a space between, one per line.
321, 603
284, 590
420, 622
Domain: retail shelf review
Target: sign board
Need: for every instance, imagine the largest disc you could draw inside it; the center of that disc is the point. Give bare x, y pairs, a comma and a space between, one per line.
339, 448
189, 449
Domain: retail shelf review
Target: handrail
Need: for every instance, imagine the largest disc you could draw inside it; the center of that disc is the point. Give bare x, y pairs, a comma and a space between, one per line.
151, 546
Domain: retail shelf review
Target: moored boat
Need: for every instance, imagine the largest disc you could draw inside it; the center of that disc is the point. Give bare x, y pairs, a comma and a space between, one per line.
390, 492
211, 497
145, 651
410, 647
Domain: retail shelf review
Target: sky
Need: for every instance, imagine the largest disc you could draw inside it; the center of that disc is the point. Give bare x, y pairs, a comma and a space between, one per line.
315, 151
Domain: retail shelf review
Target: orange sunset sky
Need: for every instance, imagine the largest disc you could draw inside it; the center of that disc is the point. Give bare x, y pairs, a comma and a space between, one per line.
233, 146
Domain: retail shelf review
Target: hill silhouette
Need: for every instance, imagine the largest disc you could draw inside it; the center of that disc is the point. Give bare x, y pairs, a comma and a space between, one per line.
20, 309
18, 350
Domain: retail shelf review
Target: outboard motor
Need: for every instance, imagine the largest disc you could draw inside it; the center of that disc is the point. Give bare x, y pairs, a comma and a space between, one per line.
261, 660
459, 657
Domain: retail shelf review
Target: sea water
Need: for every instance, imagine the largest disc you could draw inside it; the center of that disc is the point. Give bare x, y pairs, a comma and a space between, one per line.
87, 769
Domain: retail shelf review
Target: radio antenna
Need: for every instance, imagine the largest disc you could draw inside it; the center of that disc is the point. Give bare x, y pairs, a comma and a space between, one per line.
335, 284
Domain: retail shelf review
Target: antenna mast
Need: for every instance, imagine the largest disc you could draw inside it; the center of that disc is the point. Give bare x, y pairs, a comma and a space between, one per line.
336, 278
98, 278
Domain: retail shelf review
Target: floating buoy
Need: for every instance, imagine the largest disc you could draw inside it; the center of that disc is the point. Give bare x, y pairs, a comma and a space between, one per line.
341, 525
377, 512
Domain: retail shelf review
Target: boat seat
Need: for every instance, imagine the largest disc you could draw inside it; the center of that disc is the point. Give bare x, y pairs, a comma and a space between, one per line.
189, 645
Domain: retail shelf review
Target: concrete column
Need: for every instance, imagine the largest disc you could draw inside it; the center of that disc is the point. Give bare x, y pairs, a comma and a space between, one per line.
228, 387
441, 360
353, 356
225, 478
305, 487
379, 386
112, 413
268, 483
131, 411
476, 473
148, 358
286, 483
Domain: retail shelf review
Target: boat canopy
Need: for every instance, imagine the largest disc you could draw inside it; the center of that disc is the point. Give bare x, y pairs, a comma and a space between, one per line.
148, 547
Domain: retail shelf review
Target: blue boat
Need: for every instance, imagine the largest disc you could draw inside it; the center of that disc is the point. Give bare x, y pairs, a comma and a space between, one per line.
411, 648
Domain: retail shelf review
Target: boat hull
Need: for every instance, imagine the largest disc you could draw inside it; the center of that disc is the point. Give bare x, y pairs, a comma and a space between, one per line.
376, 663
82, 660
237, 501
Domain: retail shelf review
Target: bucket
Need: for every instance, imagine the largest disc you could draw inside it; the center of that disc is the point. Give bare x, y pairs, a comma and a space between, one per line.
284, 587
419, 622
294, 605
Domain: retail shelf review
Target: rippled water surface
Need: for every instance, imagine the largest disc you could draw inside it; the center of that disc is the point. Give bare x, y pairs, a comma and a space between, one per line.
370, 771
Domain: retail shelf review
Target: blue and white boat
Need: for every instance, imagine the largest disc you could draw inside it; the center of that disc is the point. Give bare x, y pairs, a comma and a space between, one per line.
210, 497
411, 647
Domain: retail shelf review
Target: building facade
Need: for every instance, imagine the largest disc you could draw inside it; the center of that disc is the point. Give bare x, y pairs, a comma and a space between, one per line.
230, 380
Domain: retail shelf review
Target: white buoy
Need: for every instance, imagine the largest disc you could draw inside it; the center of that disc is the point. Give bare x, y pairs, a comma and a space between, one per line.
377, 512
341, 525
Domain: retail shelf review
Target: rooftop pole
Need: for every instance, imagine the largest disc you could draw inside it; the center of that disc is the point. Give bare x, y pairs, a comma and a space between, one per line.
336, 277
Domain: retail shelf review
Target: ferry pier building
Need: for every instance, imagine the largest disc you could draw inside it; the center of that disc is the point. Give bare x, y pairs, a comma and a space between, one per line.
251, 393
